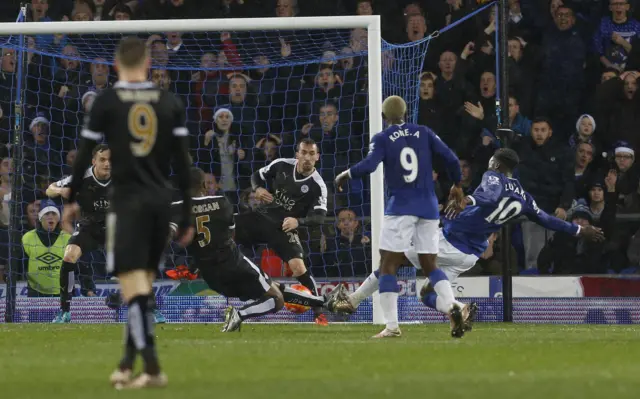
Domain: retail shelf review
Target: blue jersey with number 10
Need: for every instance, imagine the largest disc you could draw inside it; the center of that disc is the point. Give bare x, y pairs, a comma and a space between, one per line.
407, 151
497, 200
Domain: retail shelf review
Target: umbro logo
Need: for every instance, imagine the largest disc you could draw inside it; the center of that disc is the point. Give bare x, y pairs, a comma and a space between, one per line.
49, 258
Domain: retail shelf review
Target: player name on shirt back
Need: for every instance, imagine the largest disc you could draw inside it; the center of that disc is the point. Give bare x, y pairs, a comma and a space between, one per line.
403, 133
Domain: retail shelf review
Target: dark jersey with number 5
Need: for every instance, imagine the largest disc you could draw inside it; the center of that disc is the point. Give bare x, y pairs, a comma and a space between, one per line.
213, 218
145, 129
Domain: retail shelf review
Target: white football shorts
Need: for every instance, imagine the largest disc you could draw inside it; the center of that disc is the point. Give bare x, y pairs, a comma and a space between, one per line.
451, 260
398, 232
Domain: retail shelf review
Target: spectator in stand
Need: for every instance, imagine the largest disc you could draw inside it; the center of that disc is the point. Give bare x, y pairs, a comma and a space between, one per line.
70, 158
545, 171
6, 172
327, 87
121, 12
599, 199
452, 89
618, 111
83, 11
334, 141
585, 170
66, 91
43, 272
561, 78
347, 254
38, 12
519, 123
250, 117
33, 208
480, 114
521, 67
210, 184
608, 74
429, 109
566, 254
7, 92
99, 78
612, 40
364, 7
267, 150
159, 51
162, 78
628, 176
416, 27
468, 181
218, 152
585, 127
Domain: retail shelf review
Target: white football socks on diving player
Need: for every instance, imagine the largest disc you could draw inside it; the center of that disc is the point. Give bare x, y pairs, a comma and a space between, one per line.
445, 299
366, 289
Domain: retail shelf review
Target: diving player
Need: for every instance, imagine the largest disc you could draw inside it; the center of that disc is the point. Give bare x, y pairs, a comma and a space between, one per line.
224, 268
463, 239
406, 151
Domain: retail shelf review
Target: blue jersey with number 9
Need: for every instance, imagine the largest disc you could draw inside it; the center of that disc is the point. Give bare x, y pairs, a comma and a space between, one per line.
407, 152
497, 200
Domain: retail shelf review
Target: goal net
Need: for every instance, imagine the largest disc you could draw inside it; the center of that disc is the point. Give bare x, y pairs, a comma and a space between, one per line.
253, 89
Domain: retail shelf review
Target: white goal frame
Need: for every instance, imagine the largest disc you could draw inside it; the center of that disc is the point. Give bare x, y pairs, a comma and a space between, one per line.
374, 57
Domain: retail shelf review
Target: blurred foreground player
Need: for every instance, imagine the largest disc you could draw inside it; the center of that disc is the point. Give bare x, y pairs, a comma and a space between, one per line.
144, 126
89, 234
224, 268
406, 151
293, 194
463, 239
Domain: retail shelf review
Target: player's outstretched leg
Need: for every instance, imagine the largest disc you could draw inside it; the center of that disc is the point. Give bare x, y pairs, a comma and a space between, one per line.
366, 289
433, 301
270, 302
388, 287
300, 298
446, 301
67, 280
139, 335
303, 275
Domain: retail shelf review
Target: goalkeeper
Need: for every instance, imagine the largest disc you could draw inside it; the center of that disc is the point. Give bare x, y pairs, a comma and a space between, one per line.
223, 267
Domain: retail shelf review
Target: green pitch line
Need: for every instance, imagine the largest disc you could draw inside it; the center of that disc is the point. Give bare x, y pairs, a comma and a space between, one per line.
339, 361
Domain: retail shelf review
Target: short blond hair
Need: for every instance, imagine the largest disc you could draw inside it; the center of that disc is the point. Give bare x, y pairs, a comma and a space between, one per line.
394, 108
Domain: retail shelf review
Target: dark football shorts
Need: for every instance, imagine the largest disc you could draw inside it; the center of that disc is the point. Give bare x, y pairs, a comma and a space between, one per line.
254, 228
137, 235
236, 278
88, 238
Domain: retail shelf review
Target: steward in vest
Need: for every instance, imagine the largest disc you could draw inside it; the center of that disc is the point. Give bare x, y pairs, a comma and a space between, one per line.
44, 248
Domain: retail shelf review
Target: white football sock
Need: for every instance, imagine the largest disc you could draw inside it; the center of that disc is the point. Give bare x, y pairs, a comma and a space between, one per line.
389, 304
445, 296
443, 307
366, 289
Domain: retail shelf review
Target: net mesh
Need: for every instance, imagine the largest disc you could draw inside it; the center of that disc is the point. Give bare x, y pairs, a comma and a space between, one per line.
278, 86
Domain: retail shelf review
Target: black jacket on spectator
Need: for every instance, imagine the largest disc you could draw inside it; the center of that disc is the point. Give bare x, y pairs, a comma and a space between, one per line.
573, 255
618, 118
344, 258
547, 173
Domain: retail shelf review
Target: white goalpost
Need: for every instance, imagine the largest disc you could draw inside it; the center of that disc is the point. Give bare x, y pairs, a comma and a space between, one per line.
374, 76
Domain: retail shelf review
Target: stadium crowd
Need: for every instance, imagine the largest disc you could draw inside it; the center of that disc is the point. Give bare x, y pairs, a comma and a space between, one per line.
573, 70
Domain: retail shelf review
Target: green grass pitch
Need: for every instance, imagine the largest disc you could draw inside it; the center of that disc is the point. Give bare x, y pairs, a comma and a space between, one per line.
340, 361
